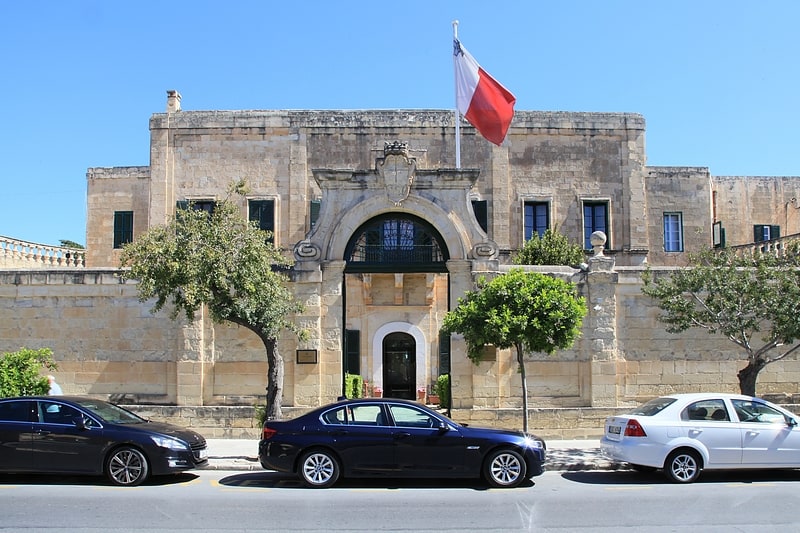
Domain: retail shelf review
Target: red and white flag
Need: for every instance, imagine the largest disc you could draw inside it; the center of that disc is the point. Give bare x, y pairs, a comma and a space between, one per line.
483, 101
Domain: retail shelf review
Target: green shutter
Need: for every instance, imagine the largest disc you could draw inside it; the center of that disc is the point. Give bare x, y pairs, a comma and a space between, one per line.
352, 349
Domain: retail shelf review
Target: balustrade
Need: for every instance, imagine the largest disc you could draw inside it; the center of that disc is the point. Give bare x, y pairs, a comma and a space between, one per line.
15, 253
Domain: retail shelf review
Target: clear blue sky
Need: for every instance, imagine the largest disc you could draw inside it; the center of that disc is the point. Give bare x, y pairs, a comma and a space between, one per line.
716, 80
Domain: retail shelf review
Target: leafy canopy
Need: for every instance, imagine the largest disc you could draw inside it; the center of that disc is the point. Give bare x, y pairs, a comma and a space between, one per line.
220, 260
552, 248
20, 372
752, 300
537, 312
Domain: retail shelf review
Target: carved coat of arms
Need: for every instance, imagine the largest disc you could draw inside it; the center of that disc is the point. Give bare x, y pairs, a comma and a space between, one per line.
397, 171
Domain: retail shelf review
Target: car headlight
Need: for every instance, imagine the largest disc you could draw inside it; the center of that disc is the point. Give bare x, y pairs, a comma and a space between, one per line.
169, 443
530, 442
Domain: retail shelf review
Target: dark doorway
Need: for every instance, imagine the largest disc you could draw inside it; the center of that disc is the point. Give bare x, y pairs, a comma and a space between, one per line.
399, 366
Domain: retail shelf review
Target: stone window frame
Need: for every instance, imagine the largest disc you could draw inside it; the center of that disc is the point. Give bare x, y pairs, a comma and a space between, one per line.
596, 200
276, 206
123, 228
524, 201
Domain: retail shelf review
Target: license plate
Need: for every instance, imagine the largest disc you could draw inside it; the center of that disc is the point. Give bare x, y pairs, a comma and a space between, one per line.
202, 454
614, 429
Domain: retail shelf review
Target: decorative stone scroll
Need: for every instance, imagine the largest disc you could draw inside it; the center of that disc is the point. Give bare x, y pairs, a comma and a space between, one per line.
307, 251
484, 250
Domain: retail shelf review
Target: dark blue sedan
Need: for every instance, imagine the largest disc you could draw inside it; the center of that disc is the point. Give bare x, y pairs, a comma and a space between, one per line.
376, 437
75, 435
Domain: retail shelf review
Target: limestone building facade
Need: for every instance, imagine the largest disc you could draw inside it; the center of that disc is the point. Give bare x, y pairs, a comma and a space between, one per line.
386, 234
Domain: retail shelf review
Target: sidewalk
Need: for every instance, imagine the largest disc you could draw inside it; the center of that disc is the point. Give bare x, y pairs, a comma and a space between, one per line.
562, 455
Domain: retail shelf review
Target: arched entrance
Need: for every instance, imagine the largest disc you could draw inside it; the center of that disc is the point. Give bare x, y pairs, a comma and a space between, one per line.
399, 366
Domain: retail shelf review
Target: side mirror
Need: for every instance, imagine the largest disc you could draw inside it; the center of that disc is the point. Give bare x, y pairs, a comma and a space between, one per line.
791, 422
444, 427
81, 422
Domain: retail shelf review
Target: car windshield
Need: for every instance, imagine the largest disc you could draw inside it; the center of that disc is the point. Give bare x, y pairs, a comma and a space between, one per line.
653, 406
108, 412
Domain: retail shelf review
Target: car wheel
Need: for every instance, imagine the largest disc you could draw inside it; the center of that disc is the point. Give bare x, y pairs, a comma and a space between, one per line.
319, 469
505, 468
682, 466
127, 466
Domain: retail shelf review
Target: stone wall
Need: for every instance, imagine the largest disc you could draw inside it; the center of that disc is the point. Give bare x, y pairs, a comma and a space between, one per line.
108, 344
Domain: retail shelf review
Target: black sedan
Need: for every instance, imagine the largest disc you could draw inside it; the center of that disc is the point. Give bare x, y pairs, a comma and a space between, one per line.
74, 435
374, 437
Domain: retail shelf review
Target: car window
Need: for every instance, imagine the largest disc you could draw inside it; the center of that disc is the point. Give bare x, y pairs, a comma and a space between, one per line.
406, 416
751, 411
334, 416
56, 413
712, 409
109, 412
367, 415
16, 411
653, 406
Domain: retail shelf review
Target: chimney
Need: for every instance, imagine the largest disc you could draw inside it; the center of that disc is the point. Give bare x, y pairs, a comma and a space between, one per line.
173, 101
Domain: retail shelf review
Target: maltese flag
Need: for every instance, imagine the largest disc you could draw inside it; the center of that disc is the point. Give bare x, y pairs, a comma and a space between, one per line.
483, 101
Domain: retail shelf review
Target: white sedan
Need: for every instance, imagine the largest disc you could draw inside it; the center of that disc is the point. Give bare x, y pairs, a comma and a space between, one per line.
686, 433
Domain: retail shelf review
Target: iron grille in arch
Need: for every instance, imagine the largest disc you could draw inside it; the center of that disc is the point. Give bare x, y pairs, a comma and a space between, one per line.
396, 241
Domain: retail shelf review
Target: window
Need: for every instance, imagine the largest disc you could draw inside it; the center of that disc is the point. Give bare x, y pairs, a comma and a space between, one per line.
765, 232
751, 411
706, 410
481, 210
201, 205
263, 213
409, 417
123, 228
673, 232
595, 218
313, 212
16, 411
537, 218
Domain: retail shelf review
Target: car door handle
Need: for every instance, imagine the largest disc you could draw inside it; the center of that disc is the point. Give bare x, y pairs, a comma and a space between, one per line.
42, 432
401, 435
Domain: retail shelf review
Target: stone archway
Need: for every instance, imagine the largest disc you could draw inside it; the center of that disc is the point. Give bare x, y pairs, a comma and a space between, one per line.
419, 341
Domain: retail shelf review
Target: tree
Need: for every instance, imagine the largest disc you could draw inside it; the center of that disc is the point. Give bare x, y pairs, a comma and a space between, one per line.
226, 263
20, 372
738, 297
552, 248
66, 243
527, 311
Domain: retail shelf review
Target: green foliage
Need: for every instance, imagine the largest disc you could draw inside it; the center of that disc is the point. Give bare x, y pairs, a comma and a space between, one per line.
752, 300
20, 372
527, 311
540, 313
260, 415
71, 244
353, 386
552, 248
224, 262
442, 389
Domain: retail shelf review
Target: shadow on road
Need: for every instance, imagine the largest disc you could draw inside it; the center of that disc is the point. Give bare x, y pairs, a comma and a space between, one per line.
630, 477
51, 479
288, 481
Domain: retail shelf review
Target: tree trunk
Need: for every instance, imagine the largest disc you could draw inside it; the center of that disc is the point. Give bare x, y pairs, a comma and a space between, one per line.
748, 376
275, 372
524, 389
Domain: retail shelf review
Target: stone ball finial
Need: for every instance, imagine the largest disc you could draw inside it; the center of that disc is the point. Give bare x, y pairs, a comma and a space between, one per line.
598, 240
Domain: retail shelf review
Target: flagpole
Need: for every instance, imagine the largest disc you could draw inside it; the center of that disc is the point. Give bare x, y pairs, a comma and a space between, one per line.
456, 113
